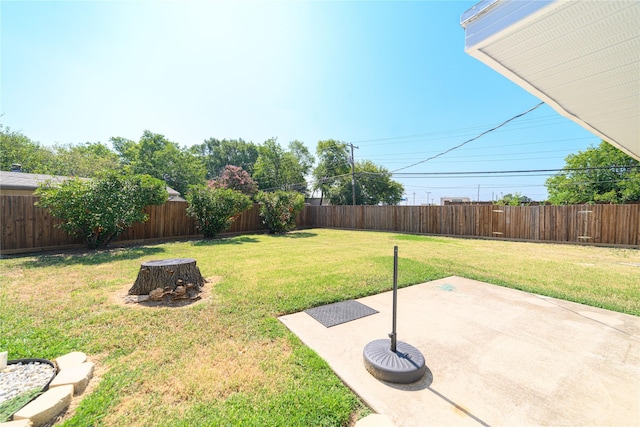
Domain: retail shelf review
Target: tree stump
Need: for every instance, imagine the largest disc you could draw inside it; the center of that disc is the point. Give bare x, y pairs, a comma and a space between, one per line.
177, 278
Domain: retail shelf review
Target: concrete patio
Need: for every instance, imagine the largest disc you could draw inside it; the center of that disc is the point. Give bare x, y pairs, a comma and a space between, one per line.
495, 356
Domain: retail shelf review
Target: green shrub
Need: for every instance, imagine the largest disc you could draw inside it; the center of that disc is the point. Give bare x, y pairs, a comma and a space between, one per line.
215, 209
98, 210
279, 210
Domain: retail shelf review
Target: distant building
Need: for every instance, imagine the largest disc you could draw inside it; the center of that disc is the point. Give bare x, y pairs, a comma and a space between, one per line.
454, 200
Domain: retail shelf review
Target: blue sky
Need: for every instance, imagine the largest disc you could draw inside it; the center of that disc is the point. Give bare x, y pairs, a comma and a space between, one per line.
390, 77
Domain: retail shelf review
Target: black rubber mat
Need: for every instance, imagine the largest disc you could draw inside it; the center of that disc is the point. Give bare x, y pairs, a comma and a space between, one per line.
340, 312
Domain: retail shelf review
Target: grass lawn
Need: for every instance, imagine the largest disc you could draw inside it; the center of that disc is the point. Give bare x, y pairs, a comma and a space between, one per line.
228, 360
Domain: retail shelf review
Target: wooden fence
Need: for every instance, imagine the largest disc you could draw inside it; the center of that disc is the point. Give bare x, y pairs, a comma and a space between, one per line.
592, 224
28, 228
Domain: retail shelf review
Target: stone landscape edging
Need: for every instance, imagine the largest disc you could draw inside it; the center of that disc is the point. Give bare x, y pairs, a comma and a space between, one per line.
72, 377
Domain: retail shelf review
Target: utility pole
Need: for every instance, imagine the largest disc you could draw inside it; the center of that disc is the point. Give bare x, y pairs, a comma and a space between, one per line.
353, 176
478, 199
428, 192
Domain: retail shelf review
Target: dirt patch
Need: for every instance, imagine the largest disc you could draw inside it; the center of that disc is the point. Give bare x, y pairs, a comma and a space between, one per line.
119, 297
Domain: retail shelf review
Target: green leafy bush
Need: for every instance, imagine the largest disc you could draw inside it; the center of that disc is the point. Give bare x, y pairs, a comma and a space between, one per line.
215, 209
279, 210
98, 210
516, 199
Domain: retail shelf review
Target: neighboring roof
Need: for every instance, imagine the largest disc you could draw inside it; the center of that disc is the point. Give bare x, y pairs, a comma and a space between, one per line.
31, 181
26, 181
580, 57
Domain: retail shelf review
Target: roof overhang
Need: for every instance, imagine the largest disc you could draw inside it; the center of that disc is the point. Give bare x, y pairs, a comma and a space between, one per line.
580, 57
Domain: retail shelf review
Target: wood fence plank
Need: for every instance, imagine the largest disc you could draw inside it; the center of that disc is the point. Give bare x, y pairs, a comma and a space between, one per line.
8, 240
595, 225
622, 225
605, 224
635, 225
497, 221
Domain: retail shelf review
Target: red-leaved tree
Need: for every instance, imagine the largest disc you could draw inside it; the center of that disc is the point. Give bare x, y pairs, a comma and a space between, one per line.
235, 178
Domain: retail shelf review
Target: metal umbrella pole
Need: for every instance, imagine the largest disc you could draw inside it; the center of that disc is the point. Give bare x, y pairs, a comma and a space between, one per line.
392, 335
399, 362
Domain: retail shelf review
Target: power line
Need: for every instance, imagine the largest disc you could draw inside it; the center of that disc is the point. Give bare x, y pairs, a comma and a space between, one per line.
391, 139
524, 143
503, 160
401, 140
448, 162
405, 174
470, 155
472, 139
473, 186
466, 174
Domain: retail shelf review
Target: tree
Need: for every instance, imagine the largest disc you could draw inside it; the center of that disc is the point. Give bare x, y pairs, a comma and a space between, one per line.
235, 178
99, 210
333, 165
215, 209
277, 169
85, 160
279, 209
303, 156
375, 186
373, 183
157, 156
126, 149
15, 148
599, 174
516, 199
216, 154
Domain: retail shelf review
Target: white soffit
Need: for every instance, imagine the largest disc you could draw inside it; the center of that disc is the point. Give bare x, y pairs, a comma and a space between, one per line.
580, 57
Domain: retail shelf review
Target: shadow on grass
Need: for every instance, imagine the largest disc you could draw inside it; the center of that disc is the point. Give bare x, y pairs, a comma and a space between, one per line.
423, 238
94, 257
294, 235
226, 241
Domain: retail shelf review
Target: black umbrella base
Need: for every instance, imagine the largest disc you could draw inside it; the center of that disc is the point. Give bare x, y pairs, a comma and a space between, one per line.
405, 365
